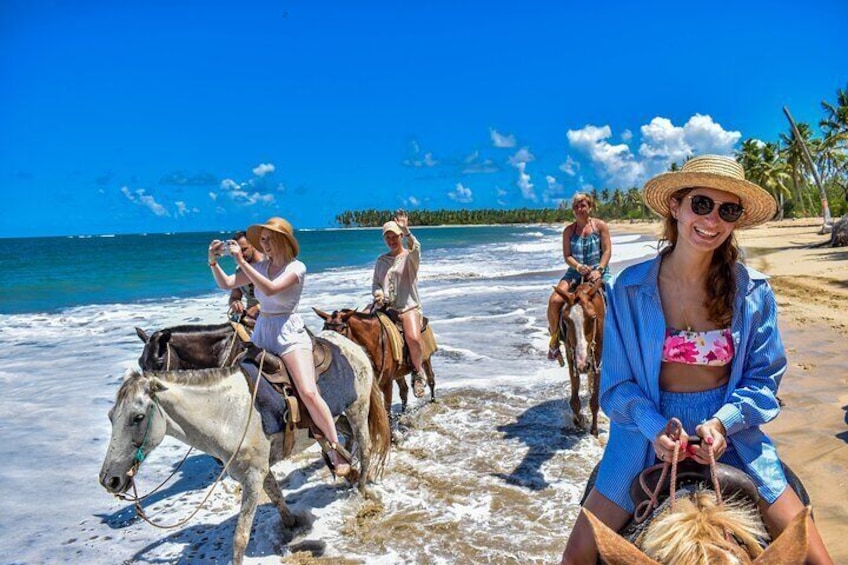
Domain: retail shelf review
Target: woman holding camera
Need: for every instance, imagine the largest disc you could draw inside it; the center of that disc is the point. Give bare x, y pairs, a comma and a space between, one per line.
278, 285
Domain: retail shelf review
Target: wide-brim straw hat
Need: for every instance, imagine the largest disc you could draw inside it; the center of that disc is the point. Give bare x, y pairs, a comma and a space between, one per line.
278, 225
718, 172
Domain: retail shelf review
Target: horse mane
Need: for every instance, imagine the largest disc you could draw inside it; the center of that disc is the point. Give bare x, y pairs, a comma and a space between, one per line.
694, 533
134, 380
190, 329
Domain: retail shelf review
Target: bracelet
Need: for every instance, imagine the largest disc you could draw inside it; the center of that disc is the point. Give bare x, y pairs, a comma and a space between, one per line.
213, 263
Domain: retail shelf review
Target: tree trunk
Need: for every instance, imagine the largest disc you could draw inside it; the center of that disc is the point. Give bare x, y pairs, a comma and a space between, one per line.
839, 235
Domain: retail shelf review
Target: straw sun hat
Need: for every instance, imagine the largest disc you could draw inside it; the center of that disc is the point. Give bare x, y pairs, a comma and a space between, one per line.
278, 225
720, 173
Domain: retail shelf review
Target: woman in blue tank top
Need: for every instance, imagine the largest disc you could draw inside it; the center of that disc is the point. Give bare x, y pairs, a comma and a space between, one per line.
586, 248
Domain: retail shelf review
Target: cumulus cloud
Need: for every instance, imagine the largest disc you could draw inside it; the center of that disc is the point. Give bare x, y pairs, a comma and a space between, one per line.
524, 182
461, 194
570, 166
140, 197
626, 136
500, 140
244, 193
263, 169
523, 155
662, 143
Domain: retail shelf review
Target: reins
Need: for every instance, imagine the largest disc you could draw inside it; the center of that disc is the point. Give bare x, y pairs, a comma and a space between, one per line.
646, 507
140, 456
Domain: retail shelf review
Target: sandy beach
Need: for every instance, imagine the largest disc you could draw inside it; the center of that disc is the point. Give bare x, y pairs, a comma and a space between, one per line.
811, 284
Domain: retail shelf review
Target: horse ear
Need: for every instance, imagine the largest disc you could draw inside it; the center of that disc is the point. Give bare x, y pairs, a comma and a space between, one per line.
614, 549
323, 315
790, 546
142, 335
346, 314
156, 386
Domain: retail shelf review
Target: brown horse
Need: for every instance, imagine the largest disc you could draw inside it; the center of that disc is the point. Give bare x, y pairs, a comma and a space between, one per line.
366, 330
581, 330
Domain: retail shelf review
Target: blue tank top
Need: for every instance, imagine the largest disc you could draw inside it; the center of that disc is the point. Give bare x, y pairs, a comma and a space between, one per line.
587, 250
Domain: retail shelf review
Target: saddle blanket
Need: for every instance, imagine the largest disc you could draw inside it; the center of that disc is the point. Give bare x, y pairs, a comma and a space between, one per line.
336, 386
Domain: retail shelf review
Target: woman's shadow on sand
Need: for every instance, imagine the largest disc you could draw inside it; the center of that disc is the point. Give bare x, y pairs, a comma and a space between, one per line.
544, 430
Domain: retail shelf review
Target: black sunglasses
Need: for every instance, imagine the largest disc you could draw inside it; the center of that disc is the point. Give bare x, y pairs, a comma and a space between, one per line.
727, 211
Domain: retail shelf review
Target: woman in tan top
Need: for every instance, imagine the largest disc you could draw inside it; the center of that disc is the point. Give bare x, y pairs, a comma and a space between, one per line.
395, 285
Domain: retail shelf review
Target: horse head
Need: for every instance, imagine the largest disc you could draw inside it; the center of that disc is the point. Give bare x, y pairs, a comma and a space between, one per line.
157, 354
708, 545
337, 321
138, 426
580, 316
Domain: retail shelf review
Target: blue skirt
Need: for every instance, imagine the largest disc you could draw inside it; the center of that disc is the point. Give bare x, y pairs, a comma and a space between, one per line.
692, 409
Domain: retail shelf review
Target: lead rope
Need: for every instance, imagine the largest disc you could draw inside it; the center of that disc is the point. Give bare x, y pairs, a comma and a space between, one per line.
137, 500
644, 509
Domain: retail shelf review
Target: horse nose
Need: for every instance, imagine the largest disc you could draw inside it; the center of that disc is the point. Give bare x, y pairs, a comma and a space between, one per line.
112, 483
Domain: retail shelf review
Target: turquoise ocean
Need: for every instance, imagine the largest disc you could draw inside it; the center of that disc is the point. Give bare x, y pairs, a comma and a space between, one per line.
490, 473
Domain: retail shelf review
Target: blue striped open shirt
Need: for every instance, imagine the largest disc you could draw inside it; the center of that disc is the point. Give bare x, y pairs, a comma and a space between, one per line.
633, 340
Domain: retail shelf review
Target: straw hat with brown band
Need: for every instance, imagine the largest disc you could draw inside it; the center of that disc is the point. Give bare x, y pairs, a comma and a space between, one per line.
720, 173
278, 225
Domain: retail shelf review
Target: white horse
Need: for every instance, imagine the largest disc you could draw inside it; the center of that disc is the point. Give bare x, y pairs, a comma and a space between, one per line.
210, 410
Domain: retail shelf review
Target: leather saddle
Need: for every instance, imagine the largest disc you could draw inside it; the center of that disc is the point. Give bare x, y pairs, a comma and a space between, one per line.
276, 374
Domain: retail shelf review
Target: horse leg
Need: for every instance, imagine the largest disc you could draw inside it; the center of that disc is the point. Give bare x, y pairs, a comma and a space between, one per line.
357, 415
249, 499
576, 414
431, 379
403, 391
595, 380
272, 489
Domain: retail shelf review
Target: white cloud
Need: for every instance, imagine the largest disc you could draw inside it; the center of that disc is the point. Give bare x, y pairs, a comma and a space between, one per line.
664, 142
229, 184
570, 167
249, 199
416, 160
461, 194
182, 209
412, 201
473, 165
263, 169
523, 155
615, 163
213, 196
499, 140
626, 136
524, 182
140, 197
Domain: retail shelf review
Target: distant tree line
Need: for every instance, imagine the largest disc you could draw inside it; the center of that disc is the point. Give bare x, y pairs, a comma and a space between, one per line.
778, 166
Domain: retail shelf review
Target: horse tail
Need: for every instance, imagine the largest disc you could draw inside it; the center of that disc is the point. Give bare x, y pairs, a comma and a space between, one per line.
380, 430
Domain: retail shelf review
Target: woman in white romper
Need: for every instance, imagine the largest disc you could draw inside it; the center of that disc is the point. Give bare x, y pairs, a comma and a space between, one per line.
278, 284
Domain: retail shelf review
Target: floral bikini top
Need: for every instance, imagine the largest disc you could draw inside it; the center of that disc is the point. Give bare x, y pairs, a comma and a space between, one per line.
713, 348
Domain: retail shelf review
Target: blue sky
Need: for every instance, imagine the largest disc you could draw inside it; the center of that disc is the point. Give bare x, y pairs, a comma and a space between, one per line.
130, 116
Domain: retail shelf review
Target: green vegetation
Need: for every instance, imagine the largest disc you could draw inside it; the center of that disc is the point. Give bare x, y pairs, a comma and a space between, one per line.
778, 166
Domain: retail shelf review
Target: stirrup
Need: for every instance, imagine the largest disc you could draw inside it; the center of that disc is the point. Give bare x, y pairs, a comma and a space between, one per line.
417, 384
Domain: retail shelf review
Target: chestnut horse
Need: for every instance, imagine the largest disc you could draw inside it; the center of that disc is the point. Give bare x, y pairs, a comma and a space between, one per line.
366, 330
581, 330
